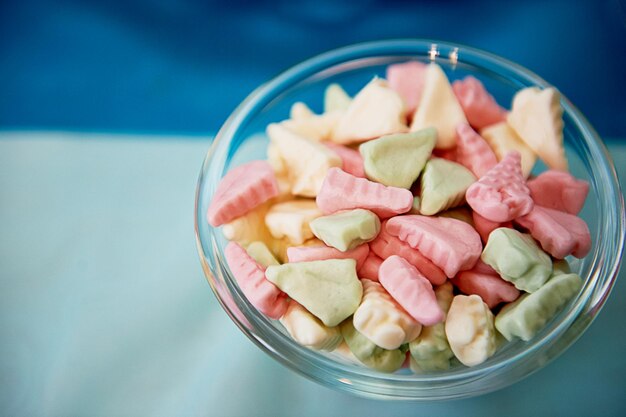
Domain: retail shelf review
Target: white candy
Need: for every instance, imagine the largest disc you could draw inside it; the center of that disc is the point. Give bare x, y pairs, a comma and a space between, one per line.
375, 111
382, 320
438, 108
250, 227
308, 330
502, 139
470, 330
305, 160
291, 220
431, 351
314, 127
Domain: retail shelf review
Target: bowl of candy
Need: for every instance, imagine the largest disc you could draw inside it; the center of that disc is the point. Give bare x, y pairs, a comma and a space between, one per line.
410, 219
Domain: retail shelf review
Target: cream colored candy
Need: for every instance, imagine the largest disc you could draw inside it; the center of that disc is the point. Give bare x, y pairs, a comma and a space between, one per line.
336, 99
397, 160
328, 289
346, 230
537, 117
305, 160
502, 139
375, 111
382, 320
431, 351
528, 314
470, 330
314, 127
291, 220
368, 353
443, 185
261, 254
438, 108
517, 258
308, 330
250, 227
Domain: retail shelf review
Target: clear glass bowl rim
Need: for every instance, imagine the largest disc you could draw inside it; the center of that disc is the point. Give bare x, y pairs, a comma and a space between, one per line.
463, 382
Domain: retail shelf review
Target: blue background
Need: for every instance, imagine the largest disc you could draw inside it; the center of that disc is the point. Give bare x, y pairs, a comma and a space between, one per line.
104, 309
182, 66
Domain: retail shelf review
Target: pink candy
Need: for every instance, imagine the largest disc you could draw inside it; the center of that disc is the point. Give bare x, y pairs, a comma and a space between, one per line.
386, 245
369, 269
261, 293
411, 290
407, 79
342, 191
241, 190
320, 253
473, 152
352, 160
501, 194
484, 227
559, 190
485, 282
450, 244
559, 233
479, 106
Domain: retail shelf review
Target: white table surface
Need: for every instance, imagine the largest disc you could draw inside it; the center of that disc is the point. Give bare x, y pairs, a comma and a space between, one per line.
104, 310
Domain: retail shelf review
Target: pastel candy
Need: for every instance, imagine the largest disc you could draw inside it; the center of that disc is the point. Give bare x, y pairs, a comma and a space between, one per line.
501, 194
352, 161
530, 313
397, 160
291, 220
250, 227
382, 320
560, 266
261, 293
444, 184
480, 108
537, 117
320, 253
430, 351
450, 244
371, 265
502, 139
386, 245
300, 110
241, 190
407, 79
342, 191
492, 289
517, 258
473, 152
470, 330
484, 227
336, 99
347, 229
559, 190
368, 353
261, 254
411, 290
328, 289
306, 161
438, 108
415, 208
375, 111
308, 330
460, 213
448, 154
559, 233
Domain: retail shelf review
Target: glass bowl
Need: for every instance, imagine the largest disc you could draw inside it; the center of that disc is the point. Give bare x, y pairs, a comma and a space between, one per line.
242, 139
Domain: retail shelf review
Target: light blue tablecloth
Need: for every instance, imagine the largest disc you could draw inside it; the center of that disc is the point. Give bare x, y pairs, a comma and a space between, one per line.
104, 310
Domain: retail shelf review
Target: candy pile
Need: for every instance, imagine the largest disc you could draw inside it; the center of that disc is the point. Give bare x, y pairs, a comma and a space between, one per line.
401, 223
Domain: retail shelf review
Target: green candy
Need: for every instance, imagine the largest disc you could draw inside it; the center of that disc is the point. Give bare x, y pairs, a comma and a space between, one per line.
347, 229
560, 266
335, 98
459, 213
528, 314
368, 353
415, 208
329, 289
443, 185
397, 160
517, 258
261, 254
